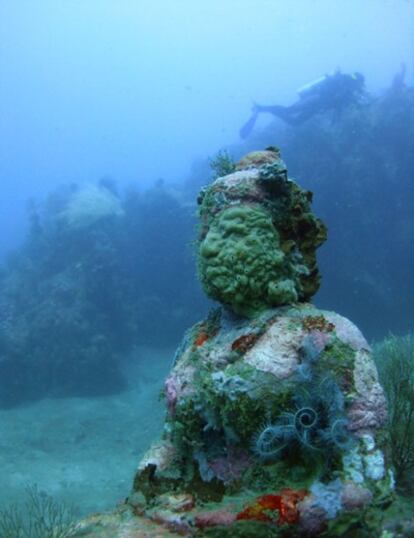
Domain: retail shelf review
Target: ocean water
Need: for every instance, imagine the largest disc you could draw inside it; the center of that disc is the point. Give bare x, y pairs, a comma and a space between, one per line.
112, 114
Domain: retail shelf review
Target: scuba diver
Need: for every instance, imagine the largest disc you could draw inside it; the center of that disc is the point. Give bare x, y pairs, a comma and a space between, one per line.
330, 92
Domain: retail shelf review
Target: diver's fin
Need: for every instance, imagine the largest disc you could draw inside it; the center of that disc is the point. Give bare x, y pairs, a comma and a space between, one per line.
248, 126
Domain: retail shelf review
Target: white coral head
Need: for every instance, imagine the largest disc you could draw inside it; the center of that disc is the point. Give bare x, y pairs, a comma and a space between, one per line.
90, 204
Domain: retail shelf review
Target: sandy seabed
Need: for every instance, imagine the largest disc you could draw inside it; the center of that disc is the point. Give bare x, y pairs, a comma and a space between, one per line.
84, 451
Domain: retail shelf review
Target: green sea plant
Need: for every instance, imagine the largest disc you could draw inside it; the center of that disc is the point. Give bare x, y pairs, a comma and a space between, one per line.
40, 516
222, 164
395, 361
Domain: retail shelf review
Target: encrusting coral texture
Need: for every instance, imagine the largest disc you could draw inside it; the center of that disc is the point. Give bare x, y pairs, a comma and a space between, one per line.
274, 412
258, 237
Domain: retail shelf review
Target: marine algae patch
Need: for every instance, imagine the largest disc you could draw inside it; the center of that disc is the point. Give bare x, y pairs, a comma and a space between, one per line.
241, 262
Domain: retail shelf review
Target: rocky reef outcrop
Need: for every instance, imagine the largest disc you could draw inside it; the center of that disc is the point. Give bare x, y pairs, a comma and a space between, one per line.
274, 412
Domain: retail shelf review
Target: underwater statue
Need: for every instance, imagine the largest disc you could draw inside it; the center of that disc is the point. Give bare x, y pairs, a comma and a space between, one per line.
274, 413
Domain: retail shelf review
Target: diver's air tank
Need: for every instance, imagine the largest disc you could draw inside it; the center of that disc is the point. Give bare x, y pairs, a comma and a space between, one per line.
313, 86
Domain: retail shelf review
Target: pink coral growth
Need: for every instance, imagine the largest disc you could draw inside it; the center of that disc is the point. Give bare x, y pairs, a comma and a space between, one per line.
348, 332
355, 497
172, 389
230, 467
211, 519
319, 339
369, 412
312, 517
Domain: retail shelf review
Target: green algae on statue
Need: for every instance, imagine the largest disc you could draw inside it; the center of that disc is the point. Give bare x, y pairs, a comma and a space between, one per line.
274, 408
275, 415
258, 237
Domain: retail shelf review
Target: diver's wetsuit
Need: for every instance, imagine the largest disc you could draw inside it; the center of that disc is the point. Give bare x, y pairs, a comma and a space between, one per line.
333, 92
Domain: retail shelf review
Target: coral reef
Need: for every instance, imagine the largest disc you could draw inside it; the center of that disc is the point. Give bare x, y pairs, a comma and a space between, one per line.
82, 293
